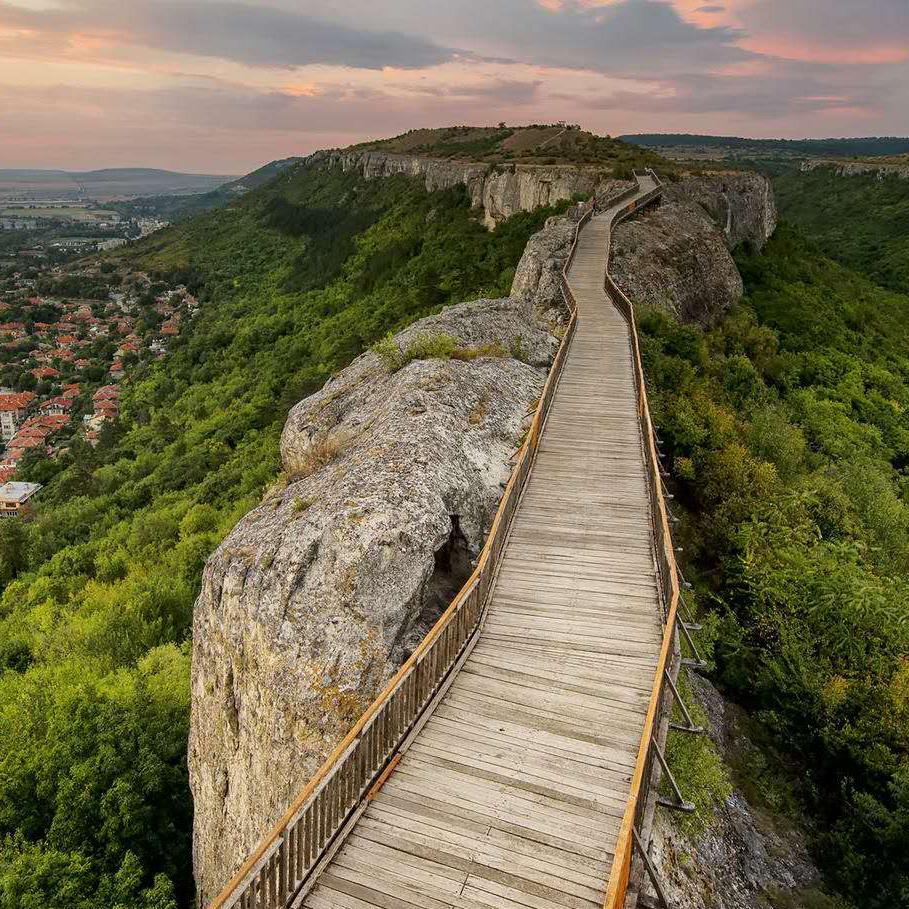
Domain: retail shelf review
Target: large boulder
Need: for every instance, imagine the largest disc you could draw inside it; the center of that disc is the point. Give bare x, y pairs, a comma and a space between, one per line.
392, 476
538, 276
677, 255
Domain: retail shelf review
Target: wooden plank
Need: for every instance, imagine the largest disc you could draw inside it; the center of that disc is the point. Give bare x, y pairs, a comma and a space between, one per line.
571, 866
516, 788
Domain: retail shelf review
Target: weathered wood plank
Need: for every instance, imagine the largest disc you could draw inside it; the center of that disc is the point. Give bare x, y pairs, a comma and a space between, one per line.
511, 795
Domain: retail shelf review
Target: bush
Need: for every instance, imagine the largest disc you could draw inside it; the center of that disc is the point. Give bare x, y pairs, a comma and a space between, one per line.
786, 424
321, 452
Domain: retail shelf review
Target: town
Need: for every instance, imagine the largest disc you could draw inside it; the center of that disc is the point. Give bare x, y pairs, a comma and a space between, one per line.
68, 339
53, 233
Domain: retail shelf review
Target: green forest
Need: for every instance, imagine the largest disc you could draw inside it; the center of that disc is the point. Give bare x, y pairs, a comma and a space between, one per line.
861, 220
295, 280
787, 429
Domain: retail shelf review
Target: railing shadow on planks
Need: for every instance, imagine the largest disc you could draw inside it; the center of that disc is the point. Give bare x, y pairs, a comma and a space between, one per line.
289, 857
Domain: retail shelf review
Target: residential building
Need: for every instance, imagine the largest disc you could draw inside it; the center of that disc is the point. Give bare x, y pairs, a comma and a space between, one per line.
13, 408
14, 496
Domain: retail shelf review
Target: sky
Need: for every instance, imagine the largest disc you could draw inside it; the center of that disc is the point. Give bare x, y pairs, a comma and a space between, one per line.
222, 86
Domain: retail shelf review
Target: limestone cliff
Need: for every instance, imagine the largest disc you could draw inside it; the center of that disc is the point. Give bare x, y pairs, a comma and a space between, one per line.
678, 254
317, 595
500, 190
859, 168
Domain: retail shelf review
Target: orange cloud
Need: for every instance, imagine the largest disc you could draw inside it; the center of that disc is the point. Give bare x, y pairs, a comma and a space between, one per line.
302, 89
92, 42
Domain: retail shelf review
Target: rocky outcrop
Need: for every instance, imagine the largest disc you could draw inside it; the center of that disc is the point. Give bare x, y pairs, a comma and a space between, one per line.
319, 593
741, 204
859, 168
677, 255
500, 190
746, 855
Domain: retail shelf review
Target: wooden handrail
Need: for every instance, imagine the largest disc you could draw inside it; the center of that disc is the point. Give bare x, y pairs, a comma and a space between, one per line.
664, 556
292, 848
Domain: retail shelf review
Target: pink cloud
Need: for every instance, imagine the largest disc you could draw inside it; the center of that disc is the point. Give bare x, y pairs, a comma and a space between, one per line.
788, 48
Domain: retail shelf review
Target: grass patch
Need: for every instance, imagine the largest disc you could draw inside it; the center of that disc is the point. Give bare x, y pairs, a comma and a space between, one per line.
697, 767
432, 346
321, 453
300, 505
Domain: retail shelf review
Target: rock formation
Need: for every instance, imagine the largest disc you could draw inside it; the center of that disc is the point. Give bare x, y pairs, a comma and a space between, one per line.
745, 856
500, 190
678, 254
318, 594
392, 476
859, 168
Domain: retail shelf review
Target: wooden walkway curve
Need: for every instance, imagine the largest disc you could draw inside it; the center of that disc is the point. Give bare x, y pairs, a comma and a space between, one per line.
512, 794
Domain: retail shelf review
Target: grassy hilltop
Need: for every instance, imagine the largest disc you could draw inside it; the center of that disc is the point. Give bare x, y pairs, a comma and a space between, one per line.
537, 144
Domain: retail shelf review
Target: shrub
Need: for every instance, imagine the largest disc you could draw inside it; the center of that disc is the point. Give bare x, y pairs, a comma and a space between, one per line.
438, 345
494, 349
431, 346
389, 353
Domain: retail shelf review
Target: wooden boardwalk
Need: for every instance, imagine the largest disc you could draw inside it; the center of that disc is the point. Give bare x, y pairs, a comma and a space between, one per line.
512, 793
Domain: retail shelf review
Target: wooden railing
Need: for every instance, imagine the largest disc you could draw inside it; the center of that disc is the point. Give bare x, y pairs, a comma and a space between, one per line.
290, 856
634, 832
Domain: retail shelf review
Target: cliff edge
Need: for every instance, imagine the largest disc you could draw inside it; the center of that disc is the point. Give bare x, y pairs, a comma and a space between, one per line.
392, 473
499, 190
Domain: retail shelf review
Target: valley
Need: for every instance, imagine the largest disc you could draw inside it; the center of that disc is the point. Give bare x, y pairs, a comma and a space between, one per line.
778, 380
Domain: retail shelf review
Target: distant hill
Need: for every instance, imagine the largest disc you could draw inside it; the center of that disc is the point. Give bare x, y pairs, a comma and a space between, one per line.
174, 207
237, 187
838, 148
102, 185
536, 144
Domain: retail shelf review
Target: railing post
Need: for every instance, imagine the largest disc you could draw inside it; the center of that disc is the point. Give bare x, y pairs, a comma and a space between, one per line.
691, 726
698, 662
663, 902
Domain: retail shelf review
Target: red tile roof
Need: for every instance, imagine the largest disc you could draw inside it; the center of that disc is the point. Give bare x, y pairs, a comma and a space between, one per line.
106, 392
16, 400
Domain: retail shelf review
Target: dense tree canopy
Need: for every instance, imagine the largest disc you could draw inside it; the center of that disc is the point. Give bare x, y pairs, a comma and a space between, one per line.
294, 281
862, 221
788, 429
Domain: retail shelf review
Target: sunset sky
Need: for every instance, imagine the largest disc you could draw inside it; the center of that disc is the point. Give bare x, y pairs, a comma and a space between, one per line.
221, 86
